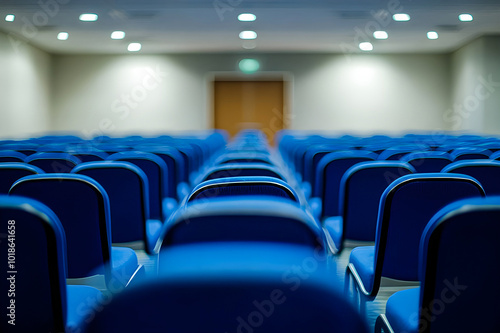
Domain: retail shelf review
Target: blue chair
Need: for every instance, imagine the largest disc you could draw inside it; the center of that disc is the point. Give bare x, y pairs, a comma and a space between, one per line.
127, 189
244, 218
35, 297
160, 207
53, 162
82, 206
458, 271
428, 161
470, 153
241, 170
11, 156
175, 166
329, 173
90, 156
11, 172
244, 157
487, 172
360, 190
25, 148
236, 186
405, 208
313, 155
495, 156
235, 287
394, 153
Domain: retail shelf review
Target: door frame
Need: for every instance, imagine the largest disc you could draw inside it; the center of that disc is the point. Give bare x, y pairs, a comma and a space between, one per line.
288, 84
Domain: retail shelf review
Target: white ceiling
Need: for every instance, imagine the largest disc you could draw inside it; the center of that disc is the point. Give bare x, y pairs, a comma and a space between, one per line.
180, 26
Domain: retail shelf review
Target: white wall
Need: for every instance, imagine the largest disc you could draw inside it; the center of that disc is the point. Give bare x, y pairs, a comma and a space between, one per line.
362, 93
24, 89
476, 87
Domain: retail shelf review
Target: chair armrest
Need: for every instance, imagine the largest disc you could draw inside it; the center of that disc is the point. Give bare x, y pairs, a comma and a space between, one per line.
333, 228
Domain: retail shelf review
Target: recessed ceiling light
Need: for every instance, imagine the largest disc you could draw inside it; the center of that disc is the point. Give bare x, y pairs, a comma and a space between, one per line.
10, 17
134, 47
88, 17
432, 35
366, 46
62, 36
117, 35
465, 17
247, 17
248, 34
380, 35
401, 17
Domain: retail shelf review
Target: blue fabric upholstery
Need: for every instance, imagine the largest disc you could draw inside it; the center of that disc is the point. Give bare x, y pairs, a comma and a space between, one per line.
53, 162
455, 295
362, 257
402, 311
82, 206
405, 208
251, 218
83, 302
127, 188
329, 173
487, 172
236, 186
232, 288
42, 302
10, 172
157, 174
428, 161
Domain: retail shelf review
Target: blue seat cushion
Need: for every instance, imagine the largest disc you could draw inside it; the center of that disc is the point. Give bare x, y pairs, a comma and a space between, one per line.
402, 310
363, 260
334, 225
124, 262
82, 302
153, 229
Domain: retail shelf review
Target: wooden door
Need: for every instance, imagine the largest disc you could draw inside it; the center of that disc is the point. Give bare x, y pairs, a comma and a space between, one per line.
249, 104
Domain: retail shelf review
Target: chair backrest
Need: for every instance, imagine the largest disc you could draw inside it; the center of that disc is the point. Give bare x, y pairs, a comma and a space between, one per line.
127, 189
313, 155
90, 156
248, 218
82, 206
330, 170
470, 153
53, 162
242, 170
25, 148
10, 172
406, 207
175, 165
360, 190
11, 156
236, 186
487, 172
428, 161
244, 157
232, 288
459, 269
33, 277
156, 171
394, 153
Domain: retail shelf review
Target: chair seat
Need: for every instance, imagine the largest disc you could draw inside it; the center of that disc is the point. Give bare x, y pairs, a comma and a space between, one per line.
402, 310
82, 302
153, 230
362, 259
125, 263
334, 227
